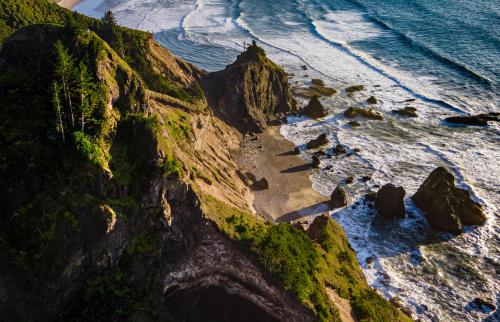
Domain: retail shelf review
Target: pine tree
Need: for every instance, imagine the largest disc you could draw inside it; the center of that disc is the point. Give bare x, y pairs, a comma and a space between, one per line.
57, 106
65, 68
109, 19
85, 89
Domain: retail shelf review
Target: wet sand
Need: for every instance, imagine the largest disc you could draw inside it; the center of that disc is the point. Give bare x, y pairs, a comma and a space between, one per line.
290, 195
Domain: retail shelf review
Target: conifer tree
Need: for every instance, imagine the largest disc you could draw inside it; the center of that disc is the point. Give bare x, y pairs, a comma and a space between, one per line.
109, 19
57, 106
85, 89
65, 68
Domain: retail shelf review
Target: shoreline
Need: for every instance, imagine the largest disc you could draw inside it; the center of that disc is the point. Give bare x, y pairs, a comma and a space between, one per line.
290, 196
68, 4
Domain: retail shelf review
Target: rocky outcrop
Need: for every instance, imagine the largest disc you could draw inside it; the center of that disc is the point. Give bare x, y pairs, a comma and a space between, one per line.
408, 111
479, 120
316, 162
249, 92
338, 198
368, 113
372, 100
447, 207
314, 109
317, 142
389, 201
261, 184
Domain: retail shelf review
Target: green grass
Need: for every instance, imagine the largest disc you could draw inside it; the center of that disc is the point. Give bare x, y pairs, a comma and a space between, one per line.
304, 266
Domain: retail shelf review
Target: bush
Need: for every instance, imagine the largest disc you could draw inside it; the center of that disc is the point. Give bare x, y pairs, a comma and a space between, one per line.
86, 146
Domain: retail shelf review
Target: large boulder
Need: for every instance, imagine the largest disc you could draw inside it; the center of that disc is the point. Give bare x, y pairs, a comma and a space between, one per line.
314, 109
447, 207
250, 92
339, 198
317, 142
389, 201
368, 113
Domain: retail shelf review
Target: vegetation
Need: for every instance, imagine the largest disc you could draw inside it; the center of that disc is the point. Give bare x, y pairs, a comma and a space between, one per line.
305, 265
256, 54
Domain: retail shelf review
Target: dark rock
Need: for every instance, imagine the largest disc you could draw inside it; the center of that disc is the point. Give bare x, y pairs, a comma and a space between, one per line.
406, 311
481, 303
349, 180
339, 149
447, 207
370, 196
407, 111
353, 124
261, 184
389, 201
304, 67
369, 260
317, 142
339, 198
368, 113
356, 150
396, 301
317, 82
355, 88
316, 162
314, 109
249, 92
296, 150
372, 100
479, 120
366, 178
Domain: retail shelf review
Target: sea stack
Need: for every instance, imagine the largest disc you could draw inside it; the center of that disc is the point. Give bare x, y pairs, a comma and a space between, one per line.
447, 207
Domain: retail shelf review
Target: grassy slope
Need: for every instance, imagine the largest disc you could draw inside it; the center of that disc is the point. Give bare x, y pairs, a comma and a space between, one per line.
303, 266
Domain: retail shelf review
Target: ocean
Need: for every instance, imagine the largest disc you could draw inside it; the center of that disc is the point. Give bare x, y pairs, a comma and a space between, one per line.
441, 57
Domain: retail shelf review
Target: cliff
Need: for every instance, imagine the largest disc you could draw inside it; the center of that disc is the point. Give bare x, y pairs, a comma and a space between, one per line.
120, 198
250, 92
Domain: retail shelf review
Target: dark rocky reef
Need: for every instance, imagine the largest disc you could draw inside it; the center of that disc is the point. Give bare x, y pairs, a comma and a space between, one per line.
339, 198
314, 109
317, 142
447, 207
408, 111
250, 92
368, 113
478, 120
389, 201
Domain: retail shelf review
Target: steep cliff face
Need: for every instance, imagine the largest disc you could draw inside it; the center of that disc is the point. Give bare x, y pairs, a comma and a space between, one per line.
122, 233
250, 92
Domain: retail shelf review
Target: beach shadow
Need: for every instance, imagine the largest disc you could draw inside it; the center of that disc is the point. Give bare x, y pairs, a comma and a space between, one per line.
316, 209
298, 168
287, 153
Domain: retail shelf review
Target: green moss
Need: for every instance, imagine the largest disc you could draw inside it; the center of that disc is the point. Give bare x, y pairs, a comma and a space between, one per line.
201, 175
171, 166
141, 244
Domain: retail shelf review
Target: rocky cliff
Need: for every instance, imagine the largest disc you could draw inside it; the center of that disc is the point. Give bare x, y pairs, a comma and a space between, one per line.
250, 91
120, 198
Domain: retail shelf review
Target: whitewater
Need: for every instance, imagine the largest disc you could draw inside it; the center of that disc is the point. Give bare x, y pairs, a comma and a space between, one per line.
441, 58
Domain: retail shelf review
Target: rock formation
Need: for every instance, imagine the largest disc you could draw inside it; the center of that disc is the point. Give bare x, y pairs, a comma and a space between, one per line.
367, 113
317, 142
339, 198
479, 120
389, 201
315, 109
250, 91
447, 207
408, 111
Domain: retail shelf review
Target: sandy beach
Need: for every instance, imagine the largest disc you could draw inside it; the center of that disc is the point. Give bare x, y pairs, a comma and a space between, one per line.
290, 195
68, 4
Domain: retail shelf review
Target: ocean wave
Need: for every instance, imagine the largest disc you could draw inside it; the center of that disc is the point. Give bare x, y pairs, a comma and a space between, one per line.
184, 23
240, 23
